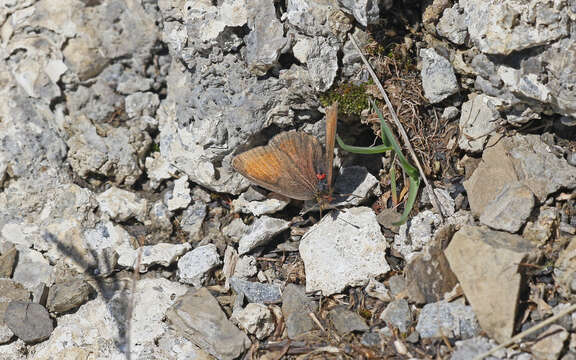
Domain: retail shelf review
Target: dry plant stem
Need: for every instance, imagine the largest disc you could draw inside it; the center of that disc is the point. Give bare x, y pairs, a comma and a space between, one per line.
130, 309
401, 130
533, 329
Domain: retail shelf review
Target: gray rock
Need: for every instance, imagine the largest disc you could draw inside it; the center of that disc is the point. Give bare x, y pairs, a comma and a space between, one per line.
158, 169
40, 294
438, 78
260, 207
366, 12
180, 194
389, 219
357, 183
68, 295
565, 268
345, 248
521, 158
30, 322
510, 209
497, 28
398, 314
492, 281
397, 284
199, 317
142, 104
450, 113
159, 220
452, 25
346, 321
9, 291
194, 267
32, 268
261, 232
114, 155
550, 344
379, 291
162, 254
121, 205
245, 267
479, 118
352, 65
541, 229
452, 320
7, 261
313, 18
236, 229
371, 339
256, 292
428, 274
296, 307
322, 62
446, 202
470, 348
416, 234
256, 319
266, 40
193, 220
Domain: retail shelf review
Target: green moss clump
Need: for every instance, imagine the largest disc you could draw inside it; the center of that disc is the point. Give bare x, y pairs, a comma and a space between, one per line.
155, 147
352, 99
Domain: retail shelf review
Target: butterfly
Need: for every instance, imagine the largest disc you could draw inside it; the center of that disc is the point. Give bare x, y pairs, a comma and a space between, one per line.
294, 164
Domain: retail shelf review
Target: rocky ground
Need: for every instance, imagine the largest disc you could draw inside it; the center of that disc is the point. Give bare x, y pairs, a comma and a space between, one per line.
124, 229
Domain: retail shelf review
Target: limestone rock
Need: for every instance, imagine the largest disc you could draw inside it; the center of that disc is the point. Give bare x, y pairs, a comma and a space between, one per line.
199, 317
346, 248
491, 281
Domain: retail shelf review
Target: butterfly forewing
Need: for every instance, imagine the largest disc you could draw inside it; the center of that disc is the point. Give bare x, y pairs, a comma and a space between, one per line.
271, 168
331, 122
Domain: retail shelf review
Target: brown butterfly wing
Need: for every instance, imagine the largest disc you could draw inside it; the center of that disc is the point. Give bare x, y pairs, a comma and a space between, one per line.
305, 152
331, 124
274, 170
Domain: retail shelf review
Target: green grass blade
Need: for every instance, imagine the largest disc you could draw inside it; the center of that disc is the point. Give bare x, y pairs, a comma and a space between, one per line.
412, 192
362, 150
388, 138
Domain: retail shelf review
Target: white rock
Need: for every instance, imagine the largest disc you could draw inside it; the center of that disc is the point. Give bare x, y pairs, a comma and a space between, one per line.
158, 169
107, 235
5, 335
479, 119
261, 231
245, 267
193, 268
301, 49
256, 319
180, 195
323, 62
345, 248
160, 254
414, 235
94, 329
14, 350
258, 208
122, 205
